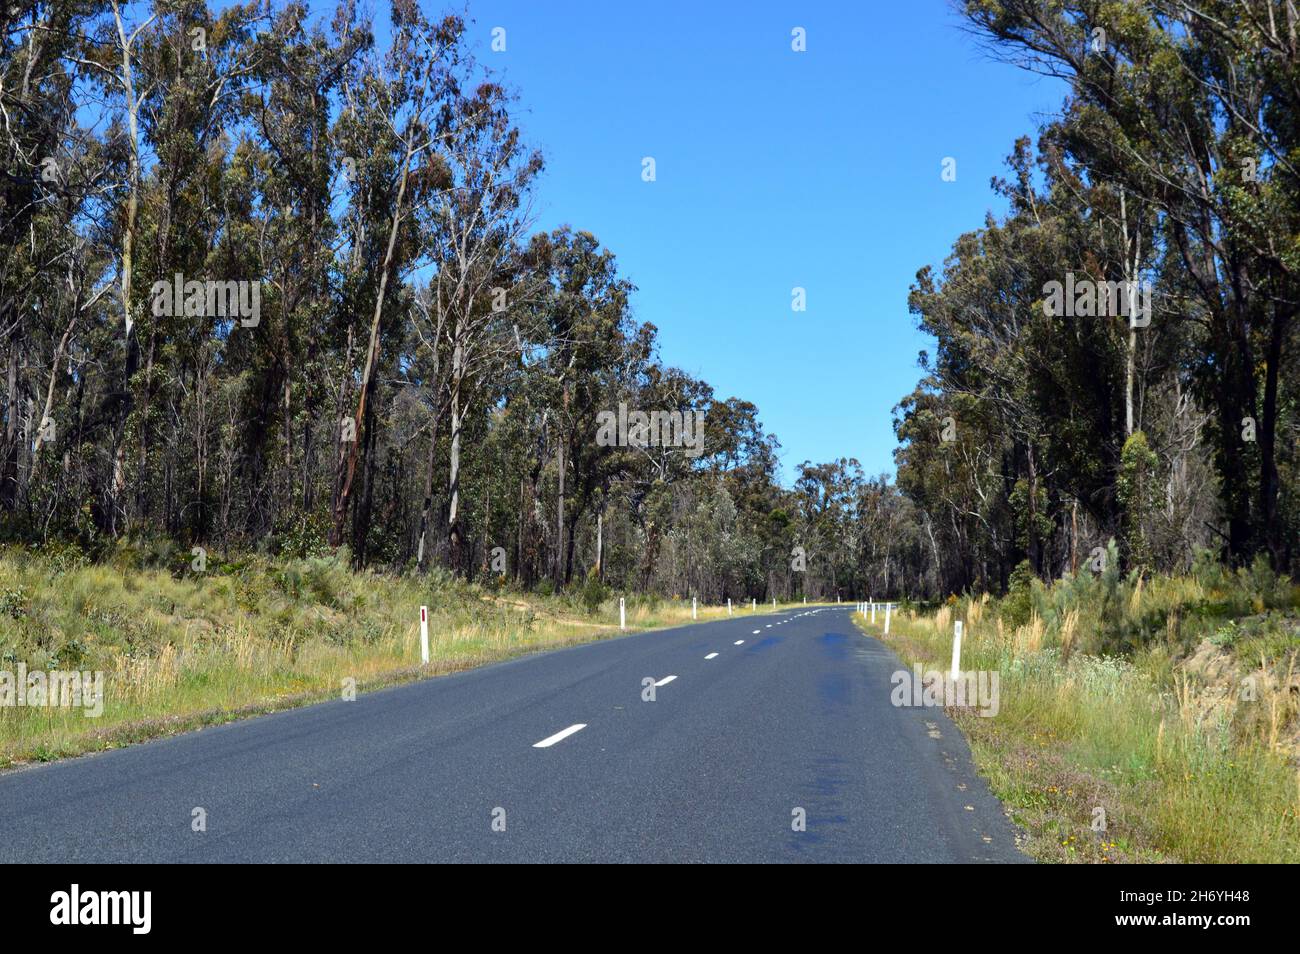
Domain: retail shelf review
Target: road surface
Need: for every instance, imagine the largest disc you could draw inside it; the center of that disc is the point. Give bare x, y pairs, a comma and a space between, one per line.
757, 721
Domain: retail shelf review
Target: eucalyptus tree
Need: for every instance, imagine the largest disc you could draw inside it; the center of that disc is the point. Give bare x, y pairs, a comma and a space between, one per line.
394, 129
589, 332
1191, 106
477, 229
294, 171
51, 171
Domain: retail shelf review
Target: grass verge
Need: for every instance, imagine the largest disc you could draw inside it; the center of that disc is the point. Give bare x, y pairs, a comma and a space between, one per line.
1179, 750
181, 650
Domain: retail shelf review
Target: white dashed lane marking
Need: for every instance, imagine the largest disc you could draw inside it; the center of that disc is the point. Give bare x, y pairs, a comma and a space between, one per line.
560, 736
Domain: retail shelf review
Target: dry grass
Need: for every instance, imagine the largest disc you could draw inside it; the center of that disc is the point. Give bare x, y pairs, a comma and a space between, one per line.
1165, 742
183, 650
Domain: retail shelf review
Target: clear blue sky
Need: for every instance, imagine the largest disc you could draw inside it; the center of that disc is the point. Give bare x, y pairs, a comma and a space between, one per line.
775, 169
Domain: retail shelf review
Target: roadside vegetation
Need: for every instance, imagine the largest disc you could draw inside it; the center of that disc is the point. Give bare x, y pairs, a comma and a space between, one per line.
182, 649
1169, 703
387, 388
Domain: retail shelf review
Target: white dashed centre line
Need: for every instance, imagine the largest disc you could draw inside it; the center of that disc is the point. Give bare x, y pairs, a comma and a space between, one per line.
739, 642
755, 632
560, 736
710, 655
665, 680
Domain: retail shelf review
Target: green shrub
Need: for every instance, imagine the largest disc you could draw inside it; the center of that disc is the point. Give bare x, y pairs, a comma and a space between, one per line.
1135, 487
14, 603
1017, 604
1264, 588
594, 593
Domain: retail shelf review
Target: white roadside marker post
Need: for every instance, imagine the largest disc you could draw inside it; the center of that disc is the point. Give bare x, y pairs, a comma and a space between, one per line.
873, 612
753, 605
694, 611
622, 613
887, 606
728, 605
774, 602
956, 649
424, 635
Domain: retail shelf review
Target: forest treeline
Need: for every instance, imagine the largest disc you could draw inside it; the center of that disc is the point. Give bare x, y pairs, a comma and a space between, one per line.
271, 280
1038, 432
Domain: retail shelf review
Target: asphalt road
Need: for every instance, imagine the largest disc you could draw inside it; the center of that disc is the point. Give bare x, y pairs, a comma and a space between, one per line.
715, 769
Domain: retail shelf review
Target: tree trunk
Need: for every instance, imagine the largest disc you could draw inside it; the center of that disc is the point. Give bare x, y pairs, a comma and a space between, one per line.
49, 392
453, 468
1268, 475
428, 495
118, 485
558, 571
372, 353
519, 537
9, 465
